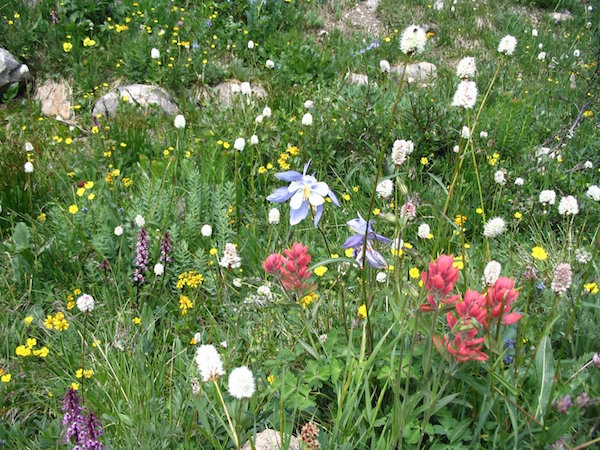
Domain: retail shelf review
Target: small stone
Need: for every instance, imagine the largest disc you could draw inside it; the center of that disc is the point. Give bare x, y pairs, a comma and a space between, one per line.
11, 70
226, 91
415, 72
357, 79
561, 16
143, 95
271, 440
55, 98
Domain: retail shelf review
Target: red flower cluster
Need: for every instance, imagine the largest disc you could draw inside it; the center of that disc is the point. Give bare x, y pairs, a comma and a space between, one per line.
474, 313
292, 269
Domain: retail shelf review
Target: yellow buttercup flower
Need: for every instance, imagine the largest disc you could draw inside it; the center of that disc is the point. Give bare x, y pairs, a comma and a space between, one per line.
539, 253
362, 311
320, 271
73, 209
67, 46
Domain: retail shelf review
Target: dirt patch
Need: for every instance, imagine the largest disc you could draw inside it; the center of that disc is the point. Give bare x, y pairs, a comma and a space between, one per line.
362, 17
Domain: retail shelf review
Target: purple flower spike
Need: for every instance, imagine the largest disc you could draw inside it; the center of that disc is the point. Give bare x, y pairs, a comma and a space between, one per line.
141, 257
304, 193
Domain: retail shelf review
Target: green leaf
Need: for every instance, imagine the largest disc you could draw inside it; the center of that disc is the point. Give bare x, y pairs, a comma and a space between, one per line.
544, 364
11, 92
21, 236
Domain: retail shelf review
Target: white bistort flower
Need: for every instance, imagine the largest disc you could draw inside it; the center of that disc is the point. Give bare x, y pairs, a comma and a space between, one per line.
250, 45
28, 146
239, 144
118, 230
568, 206
507, 45
140, 221
209, 363
519, 181
547, 197
230, 259
308, 104
576, 53
465, 133
253, 139
155, 53
384, 65
381, 277
542, 56
466, 68
266, 111
500, 177
588, 165
491, 273
593, 192
179, 121
269, 64
245, 88
241, 383
534, 32
159, 269
465, 95
206, 230
307, 119
28, 167
401, 150
259, 118
423, 231
494, 227
385, 189
438, 5
85, 303
413, 40
274, 216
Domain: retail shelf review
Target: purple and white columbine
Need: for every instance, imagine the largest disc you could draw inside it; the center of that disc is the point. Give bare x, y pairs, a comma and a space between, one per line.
356, 242
303, 192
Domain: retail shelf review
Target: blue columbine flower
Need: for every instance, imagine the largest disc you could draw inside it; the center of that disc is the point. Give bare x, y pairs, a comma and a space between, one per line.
356, 242
304, 190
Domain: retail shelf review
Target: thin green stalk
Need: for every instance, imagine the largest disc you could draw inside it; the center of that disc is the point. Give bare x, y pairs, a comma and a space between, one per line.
233, 432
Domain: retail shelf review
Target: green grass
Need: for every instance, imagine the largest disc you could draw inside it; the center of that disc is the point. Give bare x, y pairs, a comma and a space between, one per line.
368, 383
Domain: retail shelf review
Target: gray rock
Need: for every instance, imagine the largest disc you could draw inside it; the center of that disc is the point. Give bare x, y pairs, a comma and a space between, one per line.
372, 5
143, 95
11, 70
55, 98
227, 91
561, 16
415, 72
357, 79
271, 440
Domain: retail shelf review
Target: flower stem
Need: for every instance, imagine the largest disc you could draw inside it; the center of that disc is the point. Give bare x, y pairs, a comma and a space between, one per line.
235, 437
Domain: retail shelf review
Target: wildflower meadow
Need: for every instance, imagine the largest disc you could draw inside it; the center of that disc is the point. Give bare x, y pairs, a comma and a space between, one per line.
299, 224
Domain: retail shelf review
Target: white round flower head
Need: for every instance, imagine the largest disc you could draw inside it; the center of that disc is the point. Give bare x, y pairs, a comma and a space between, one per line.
245, 88
266, 111
264, 290
583, 256
239, 144
253, 139
28, 146
250, 45
269, 64
274, 216
494, 227
385, 189
159, 269
568, 206
206, 230
413, 40
230, 259
85, 303
209, 363
140, 221
179, 121
384, 66
401, 150
534, 32
241, 383
483, 134
588, 165
155, 53
465, 133
223, 344
491, 272
500, 177
548, 197
259, 118
118, 230
198, 337
455, 149
507, 45
308, 104
593, 192
307, 119
540, 46
576, 53
28, 167
381, 277
465, 95
237, 282
542, 56
438, 5
423, 231
519, 181
466, 68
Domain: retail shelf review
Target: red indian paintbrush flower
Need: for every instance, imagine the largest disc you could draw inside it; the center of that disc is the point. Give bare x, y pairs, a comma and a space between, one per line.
292, 269
439, 281
500, 298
